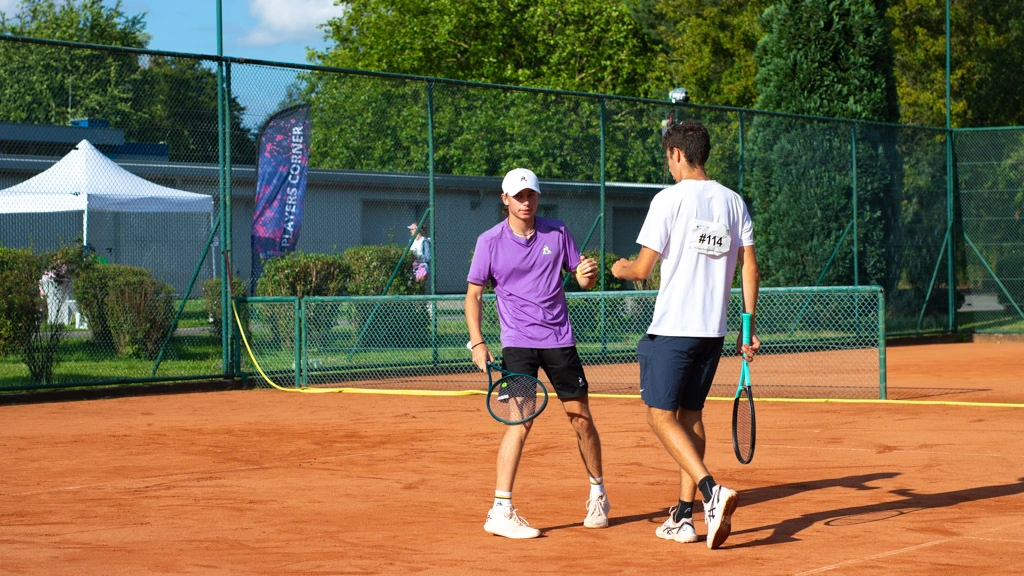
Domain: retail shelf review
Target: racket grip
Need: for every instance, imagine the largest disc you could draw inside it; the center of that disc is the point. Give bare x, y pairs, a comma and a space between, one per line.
746, 328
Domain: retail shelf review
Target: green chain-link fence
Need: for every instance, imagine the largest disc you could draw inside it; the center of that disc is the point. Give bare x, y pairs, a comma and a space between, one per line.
816, 343
990, 180
835, 203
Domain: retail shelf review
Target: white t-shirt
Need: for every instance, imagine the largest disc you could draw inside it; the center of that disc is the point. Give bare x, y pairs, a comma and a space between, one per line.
698, 227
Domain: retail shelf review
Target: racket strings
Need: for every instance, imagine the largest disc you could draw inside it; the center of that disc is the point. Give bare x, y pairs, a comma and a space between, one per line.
745, 426
514, 398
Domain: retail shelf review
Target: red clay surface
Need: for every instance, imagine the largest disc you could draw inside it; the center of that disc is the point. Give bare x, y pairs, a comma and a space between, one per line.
269, 482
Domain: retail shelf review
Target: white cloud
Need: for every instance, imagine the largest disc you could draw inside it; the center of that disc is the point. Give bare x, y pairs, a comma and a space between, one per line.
280, 21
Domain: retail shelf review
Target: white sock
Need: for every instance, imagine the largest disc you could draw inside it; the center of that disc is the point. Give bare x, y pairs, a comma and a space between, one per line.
597, 487
502, 499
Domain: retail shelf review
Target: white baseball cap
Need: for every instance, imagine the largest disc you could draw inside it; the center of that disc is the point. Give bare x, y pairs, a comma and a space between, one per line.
519, 179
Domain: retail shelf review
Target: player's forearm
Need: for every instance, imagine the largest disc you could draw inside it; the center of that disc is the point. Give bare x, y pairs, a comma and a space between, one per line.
474, 311
751, 285
629, 270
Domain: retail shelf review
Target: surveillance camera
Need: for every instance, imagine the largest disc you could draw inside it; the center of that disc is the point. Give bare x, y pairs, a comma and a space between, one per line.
679, 96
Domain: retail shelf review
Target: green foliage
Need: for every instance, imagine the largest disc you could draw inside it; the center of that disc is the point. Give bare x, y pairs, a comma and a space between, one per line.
370, 268
711, 45
389, 326
611, 283
826, 58
67, 262
42, 350
92, 292
559, 44
178, 98
369, 123
35, 80
153, 99
987, 53
301, 274
21, 305
139, 313
212, 302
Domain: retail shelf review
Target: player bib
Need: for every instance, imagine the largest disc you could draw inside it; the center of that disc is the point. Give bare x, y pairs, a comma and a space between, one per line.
711, 238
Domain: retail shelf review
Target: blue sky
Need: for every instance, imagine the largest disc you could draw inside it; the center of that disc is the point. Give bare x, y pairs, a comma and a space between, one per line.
277, 30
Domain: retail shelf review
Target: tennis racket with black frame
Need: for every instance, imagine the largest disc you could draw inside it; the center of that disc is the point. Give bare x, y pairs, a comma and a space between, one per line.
514, 398
744, 425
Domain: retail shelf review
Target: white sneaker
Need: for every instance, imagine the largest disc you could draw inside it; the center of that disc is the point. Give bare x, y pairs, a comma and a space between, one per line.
505, 521
680, 532
597, 512
718, 515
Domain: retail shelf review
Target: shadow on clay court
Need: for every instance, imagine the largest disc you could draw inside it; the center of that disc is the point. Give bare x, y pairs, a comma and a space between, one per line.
755, 496
787, 530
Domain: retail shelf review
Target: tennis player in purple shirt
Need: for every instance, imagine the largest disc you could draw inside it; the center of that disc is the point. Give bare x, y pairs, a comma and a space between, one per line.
524, 258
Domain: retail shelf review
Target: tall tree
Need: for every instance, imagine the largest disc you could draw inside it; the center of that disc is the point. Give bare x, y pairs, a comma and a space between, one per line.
710, 48
987, 54
153, 99
826, 58
559, 44
179, 100
41, 84
577, 45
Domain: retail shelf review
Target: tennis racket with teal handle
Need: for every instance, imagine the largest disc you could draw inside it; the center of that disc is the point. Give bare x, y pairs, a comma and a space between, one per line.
514, 398
744, 425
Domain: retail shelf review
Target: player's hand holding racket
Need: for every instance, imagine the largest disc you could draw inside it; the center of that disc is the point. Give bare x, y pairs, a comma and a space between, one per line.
481, 354
744, 425
512, 398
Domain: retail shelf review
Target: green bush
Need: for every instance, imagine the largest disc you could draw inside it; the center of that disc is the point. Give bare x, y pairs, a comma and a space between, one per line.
212, 302
611, 283
139, 312
91, 289
300, 274
370, 268
20, 304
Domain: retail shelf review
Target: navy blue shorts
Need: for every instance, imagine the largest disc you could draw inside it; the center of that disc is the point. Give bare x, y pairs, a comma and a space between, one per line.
562, 365
677, 371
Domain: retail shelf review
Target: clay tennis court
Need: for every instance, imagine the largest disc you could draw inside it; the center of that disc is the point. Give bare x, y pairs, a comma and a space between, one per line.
269, 482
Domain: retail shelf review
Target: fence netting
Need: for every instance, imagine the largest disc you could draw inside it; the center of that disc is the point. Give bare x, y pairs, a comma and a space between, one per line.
990, 180
815, 343
169, 193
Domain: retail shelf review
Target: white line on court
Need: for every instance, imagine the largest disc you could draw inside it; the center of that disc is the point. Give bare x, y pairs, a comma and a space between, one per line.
907, 549
875, 556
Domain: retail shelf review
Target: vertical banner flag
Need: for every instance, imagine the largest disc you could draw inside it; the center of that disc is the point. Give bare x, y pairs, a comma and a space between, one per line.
282, 165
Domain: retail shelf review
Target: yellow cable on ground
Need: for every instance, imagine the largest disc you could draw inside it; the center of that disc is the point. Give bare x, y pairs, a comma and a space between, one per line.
308, 390
252, 357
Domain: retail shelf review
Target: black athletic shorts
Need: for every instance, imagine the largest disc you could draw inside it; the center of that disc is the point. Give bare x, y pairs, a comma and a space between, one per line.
562, 366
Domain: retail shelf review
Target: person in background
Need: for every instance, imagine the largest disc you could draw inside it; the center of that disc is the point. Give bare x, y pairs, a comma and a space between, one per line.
421, 251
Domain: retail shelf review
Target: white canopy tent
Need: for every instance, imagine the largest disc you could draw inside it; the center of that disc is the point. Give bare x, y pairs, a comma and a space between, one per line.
86, 180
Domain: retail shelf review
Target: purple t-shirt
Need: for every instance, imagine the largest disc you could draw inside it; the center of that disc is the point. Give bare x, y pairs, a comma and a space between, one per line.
527, 280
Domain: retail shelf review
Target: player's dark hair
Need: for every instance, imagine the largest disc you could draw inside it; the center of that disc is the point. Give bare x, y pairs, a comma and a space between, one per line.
692, 138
